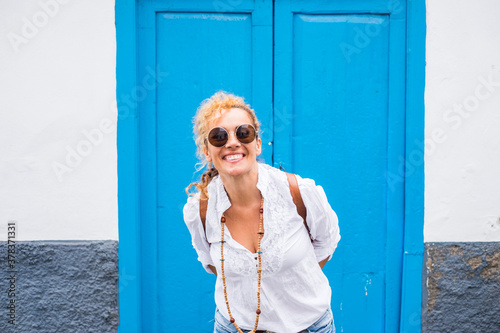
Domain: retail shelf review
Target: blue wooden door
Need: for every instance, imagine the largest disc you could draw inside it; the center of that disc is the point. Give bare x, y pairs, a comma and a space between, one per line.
321, 90
339, 87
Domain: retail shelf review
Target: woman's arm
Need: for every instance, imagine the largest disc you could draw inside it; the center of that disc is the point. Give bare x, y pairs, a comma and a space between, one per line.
212, 268
192, 219
321, 263
321, 220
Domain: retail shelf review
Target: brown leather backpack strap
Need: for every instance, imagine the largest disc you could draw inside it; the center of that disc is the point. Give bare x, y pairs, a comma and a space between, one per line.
297, 199
203, 209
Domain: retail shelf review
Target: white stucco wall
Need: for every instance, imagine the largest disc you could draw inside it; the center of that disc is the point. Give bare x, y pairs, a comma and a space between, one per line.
58, 126
462, 170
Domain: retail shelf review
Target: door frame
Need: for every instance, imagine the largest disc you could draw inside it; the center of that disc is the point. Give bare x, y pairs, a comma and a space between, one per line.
129, 214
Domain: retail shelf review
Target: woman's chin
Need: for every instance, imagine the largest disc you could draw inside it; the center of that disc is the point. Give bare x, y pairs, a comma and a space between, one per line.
235, 169
232, 172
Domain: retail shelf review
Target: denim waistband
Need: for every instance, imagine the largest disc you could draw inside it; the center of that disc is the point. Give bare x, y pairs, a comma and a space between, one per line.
324, 324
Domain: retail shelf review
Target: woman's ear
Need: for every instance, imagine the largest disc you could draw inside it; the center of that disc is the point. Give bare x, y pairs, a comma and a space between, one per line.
207, 154
259, 146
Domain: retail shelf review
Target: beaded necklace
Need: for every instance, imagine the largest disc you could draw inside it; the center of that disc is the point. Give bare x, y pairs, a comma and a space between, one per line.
259, 269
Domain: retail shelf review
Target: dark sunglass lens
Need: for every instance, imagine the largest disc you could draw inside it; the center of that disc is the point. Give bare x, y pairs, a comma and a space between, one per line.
245, 133
217, 137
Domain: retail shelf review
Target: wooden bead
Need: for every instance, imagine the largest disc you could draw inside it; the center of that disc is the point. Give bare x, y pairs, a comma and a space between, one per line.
258, 311
232, 320
223, 219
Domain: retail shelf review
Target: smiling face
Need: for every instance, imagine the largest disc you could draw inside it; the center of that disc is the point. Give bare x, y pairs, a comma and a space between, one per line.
234, 158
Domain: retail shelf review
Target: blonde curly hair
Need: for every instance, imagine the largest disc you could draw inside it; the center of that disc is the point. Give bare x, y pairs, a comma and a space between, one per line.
208, 110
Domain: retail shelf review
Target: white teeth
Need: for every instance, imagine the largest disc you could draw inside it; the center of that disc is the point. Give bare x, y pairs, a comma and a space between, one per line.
234, 157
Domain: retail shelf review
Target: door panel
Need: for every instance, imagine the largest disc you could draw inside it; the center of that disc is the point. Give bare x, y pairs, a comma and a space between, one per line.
339, 86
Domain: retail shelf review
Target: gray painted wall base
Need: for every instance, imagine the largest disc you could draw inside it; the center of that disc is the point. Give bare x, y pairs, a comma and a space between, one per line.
461, 287
62, 286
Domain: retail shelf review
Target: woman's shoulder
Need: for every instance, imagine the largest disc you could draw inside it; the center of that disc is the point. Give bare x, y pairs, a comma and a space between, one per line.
304, 183
309, 188
271, 170
313, 194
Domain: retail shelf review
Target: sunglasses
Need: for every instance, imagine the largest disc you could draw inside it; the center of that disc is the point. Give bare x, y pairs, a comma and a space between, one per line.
218, 136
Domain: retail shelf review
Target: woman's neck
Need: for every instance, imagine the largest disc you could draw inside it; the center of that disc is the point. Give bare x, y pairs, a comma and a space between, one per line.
242, 190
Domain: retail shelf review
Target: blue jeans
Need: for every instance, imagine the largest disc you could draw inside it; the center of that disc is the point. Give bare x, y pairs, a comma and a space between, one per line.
322, 325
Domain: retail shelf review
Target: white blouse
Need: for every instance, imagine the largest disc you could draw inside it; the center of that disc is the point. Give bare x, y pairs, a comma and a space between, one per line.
294, 290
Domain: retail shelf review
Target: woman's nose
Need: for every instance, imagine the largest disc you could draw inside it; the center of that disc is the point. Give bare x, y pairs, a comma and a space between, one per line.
232, 140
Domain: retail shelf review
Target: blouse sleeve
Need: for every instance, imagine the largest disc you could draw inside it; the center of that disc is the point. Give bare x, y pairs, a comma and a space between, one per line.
192, 219
321, 219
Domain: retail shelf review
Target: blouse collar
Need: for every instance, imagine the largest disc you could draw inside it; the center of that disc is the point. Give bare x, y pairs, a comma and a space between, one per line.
217, 191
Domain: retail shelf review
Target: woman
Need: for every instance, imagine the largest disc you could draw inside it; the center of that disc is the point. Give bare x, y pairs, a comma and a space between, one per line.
249, 232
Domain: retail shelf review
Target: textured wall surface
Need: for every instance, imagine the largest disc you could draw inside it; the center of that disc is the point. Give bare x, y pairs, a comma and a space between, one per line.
62, 286
462, 289
462, 100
